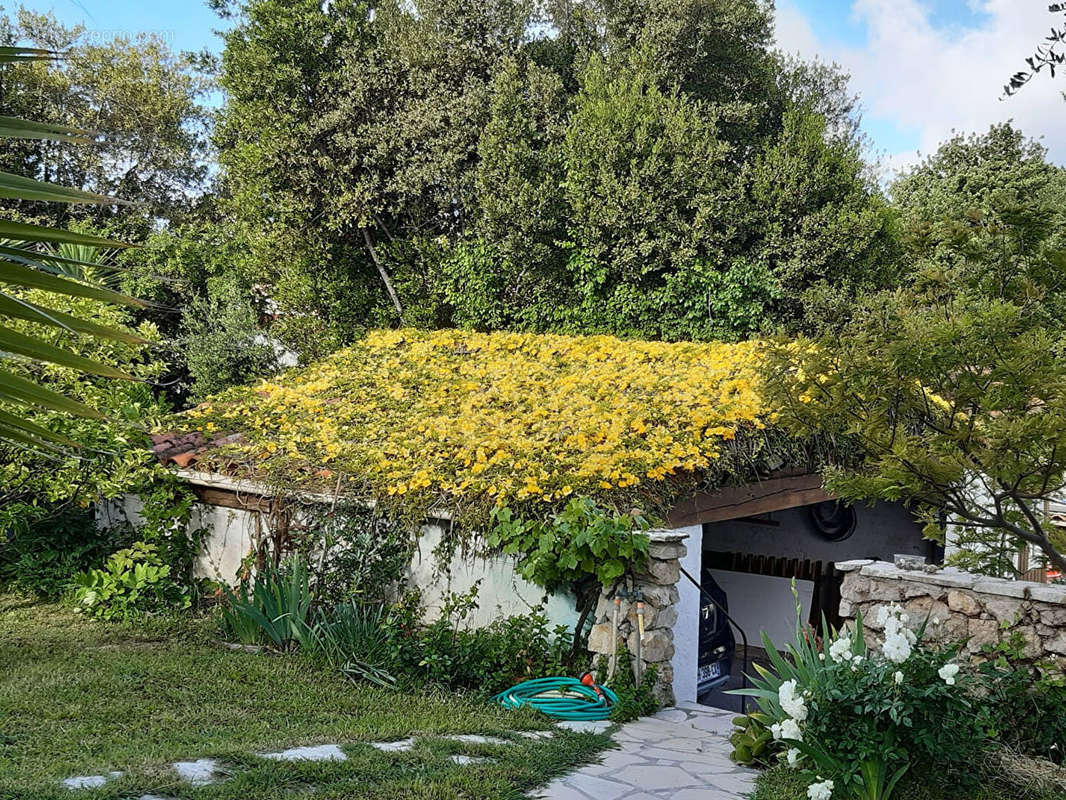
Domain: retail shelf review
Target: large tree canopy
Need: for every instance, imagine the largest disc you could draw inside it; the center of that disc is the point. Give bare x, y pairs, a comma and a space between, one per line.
148, 100
643, 167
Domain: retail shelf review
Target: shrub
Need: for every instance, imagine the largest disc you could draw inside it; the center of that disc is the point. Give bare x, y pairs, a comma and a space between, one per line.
356, 554
41, 550
855, 720
134, 581
272, 608
1013, 690
484, 660
633, 700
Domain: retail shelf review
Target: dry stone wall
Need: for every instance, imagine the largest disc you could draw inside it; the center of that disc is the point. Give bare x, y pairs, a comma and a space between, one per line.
658, 586
959, 605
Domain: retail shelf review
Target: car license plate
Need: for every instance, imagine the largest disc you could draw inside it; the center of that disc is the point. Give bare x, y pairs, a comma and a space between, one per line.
710, 671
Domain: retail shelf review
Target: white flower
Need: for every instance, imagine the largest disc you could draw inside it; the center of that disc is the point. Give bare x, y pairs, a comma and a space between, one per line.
787, 729
840, 650
791, 703
898, 678
821, 656
948, 672
820, 791
792, 757
897, 648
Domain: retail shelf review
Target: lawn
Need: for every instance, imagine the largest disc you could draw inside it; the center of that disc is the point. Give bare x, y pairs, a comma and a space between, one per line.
79, 697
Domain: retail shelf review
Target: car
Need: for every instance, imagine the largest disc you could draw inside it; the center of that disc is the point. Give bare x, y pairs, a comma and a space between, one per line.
717, 643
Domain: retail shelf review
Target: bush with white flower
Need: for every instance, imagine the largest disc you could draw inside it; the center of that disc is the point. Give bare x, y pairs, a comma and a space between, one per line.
856, 718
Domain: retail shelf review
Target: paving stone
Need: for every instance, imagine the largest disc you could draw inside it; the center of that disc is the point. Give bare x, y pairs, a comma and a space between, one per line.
657, 777
394, 747
678, 754
322, 752
586, 725
467, 760
198, 773
89, 781
559, 790
600, 788
671, 715
536, 734
473, 738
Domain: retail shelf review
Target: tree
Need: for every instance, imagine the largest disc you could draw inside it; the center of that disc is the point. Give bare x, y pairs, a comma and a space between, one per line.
953, 387
147, 98
568, 166
1047, 55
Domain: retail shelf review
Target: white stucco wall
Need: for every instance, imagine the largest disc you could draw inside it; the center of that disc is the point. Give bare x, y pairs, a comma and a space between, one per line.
686, 630
502, 592
231, 534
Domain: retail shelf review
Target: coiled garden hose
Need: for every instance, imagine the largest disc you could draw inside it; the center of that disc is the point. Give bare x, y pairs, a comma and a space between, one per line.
562, 698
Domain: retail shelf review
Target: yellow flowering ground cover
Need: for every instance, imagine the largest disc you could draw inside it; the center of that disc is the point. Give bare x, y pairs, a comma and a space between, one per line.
459, 419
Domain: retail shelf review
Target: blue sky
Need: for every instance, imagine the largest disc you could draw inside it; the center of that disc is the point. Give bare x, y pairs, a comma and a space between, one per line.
923, 68
186, 24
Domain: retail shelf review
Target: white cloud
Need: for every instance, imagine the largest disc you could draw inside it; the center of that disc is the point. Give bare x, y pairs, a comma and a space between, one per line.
932, 80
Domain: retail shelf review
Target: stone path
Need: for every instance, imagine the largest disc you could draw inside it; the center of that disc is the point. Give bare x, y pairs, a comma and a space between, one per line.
681, 753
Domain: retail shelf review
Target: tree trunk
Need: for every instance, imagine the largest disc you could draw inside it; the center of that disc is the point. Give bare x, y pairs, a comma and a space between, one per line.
384, 274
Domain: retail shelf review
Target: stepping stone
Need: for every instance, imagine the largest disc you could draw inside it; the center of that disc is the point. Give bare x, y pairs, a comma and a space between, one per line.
90, 781
199, 773
586, 725
322, 752
473, 738
394, 747
466, 760
535, 734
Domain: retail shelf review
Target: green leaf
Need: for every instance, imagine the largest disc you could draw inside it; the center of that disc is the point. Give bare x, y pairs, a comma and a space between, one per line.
25, 392
23, 309
19, 275
10, 55
12, 421
25, 232
15, 128
12, 341
17, 187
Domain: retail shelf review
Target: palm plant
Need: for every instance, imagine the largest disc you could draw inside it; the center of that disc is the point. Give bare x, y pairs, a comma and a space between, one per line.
48, 259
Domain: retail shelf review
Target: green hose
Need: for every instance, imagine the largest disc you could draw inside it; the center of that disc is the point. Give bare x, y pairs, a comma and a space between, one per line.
562, 698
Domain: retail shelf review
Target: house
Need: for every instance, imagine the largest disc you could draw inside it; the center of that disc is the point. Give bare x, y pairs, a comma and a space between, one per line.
438, 428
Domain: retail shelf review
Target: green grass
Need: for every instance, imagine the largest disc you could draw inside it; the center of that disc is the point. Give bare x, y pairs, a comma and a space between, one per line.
785, 784
80, 697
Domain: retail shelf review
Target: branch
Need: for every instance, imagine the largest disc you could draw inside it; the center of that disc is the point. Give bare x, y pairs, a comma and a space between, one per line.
384, 274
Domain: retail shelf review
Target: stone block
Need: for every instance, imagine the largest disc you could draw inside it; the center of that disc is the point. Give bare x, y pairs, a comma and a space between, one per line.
982, 632
663, 573
920, 609
846, 610
1056, 644
666, 551
890, 591
1048, 593
656, 645
1055, 616
855, 587
1004, 609
1003, 588
923, 589
854, 565
666, 618
964, 603
600, 638
660, 596
1034, 646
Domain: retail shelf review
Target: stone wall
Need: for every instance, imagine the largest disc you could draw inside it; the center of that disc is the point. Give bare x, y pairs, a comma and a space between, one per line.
959, 605
658, 586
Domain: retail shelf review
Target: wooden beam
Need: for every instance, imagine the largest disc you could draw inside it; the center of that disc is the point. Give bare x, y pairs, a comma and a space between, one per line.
752, 499
227, 498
